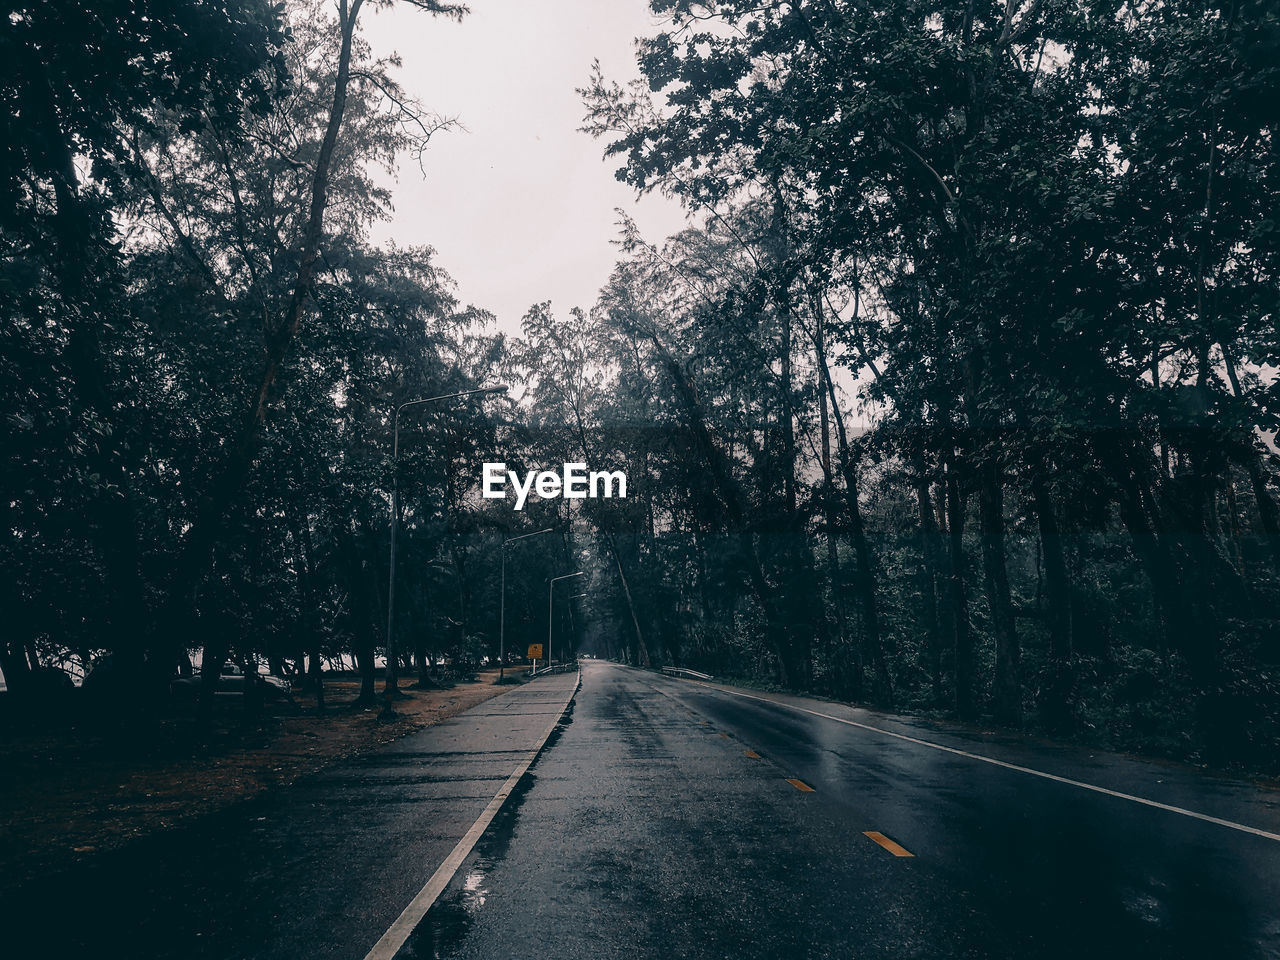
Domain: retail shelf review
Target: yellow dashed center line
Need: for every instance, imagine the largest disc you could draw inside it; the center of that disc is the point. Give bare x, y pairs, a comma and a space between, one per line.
753, 755
803, 787
896, 849
723, 734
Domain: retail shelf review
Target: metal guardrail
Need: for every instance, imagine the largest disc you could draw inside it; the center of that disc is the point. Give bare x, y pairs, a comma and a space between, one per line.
686, 673
569, 667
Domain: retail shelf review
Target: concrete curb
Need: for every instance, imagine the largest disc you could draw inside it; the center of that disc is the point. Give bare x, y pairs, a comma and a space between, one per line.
399, 931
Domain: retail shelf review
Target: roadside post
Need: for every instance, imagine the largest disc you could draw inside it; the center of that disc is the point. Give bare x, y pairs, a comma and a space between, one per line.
390, 689
550, 595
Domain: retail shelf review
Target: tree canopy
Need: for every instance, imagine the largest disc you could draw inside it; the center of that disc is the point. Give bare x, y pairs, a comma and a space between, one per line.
957, 394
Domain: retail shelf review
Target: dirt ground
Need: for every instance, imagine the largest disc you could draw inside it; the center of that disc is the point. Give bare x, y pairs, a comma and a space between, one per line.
68, 794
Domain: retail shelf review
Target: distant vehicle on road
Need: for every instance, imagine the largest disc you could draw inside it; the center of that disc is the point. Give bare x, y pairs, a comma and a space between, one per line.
233, 682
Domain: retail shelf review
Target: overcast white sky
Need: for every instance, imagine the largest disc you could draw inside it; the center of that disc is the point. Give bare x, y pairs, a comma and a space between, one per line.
520, 205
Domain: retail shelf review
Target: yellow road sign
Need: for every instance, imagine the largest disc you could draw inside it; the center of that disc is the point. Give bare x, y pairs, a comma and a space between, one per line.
535, 651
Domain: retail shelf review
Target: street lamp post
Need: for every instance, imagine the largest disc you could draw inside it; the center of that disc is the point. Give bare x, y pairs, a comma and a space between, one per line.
551, 584
390, 688
502, 603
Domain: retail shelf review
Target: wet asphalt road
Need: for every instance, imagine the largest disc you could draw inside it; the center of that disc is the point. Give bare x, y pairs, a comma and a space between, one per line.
666, 818
649, 830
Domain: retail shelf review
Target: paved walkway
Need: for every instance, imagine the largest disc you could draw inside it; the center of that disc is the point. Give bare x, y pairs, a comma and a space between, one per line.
317, 870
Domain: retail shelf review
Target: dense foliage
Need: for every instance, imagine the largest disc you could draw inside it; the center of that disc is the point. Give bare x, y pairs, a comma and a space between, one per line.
961, 395
1039, 237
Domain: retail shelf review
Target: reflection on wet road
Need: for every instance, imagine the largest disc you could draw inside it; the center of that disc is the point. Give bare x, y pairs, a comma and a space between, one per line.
680, 820
671, 819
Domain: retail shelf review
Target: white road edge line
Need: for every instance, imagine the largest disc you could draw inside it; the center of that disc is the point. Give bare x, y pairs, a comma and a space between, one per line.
391, 941
1243, 828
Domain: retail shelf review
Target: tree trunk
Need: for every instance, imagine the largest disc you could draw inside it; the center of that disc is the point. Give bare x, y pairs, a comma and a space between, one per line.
957, 593
930, 551
1059, 613
1057, 579
229, 476
1177, 615
839, 684
1007, 688
309, 599
360, 613
214, 655
865, 574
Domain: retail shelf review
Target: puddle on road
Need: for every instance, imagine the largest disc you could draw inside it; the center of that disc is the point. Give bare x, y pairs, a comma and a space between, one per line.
473, 889
449, 920
451, 917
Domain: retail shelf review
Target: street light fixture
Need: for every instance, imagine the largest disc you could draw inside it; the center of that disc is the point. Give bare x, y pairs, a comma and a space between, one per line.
551, 585
390, 688
502, 603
